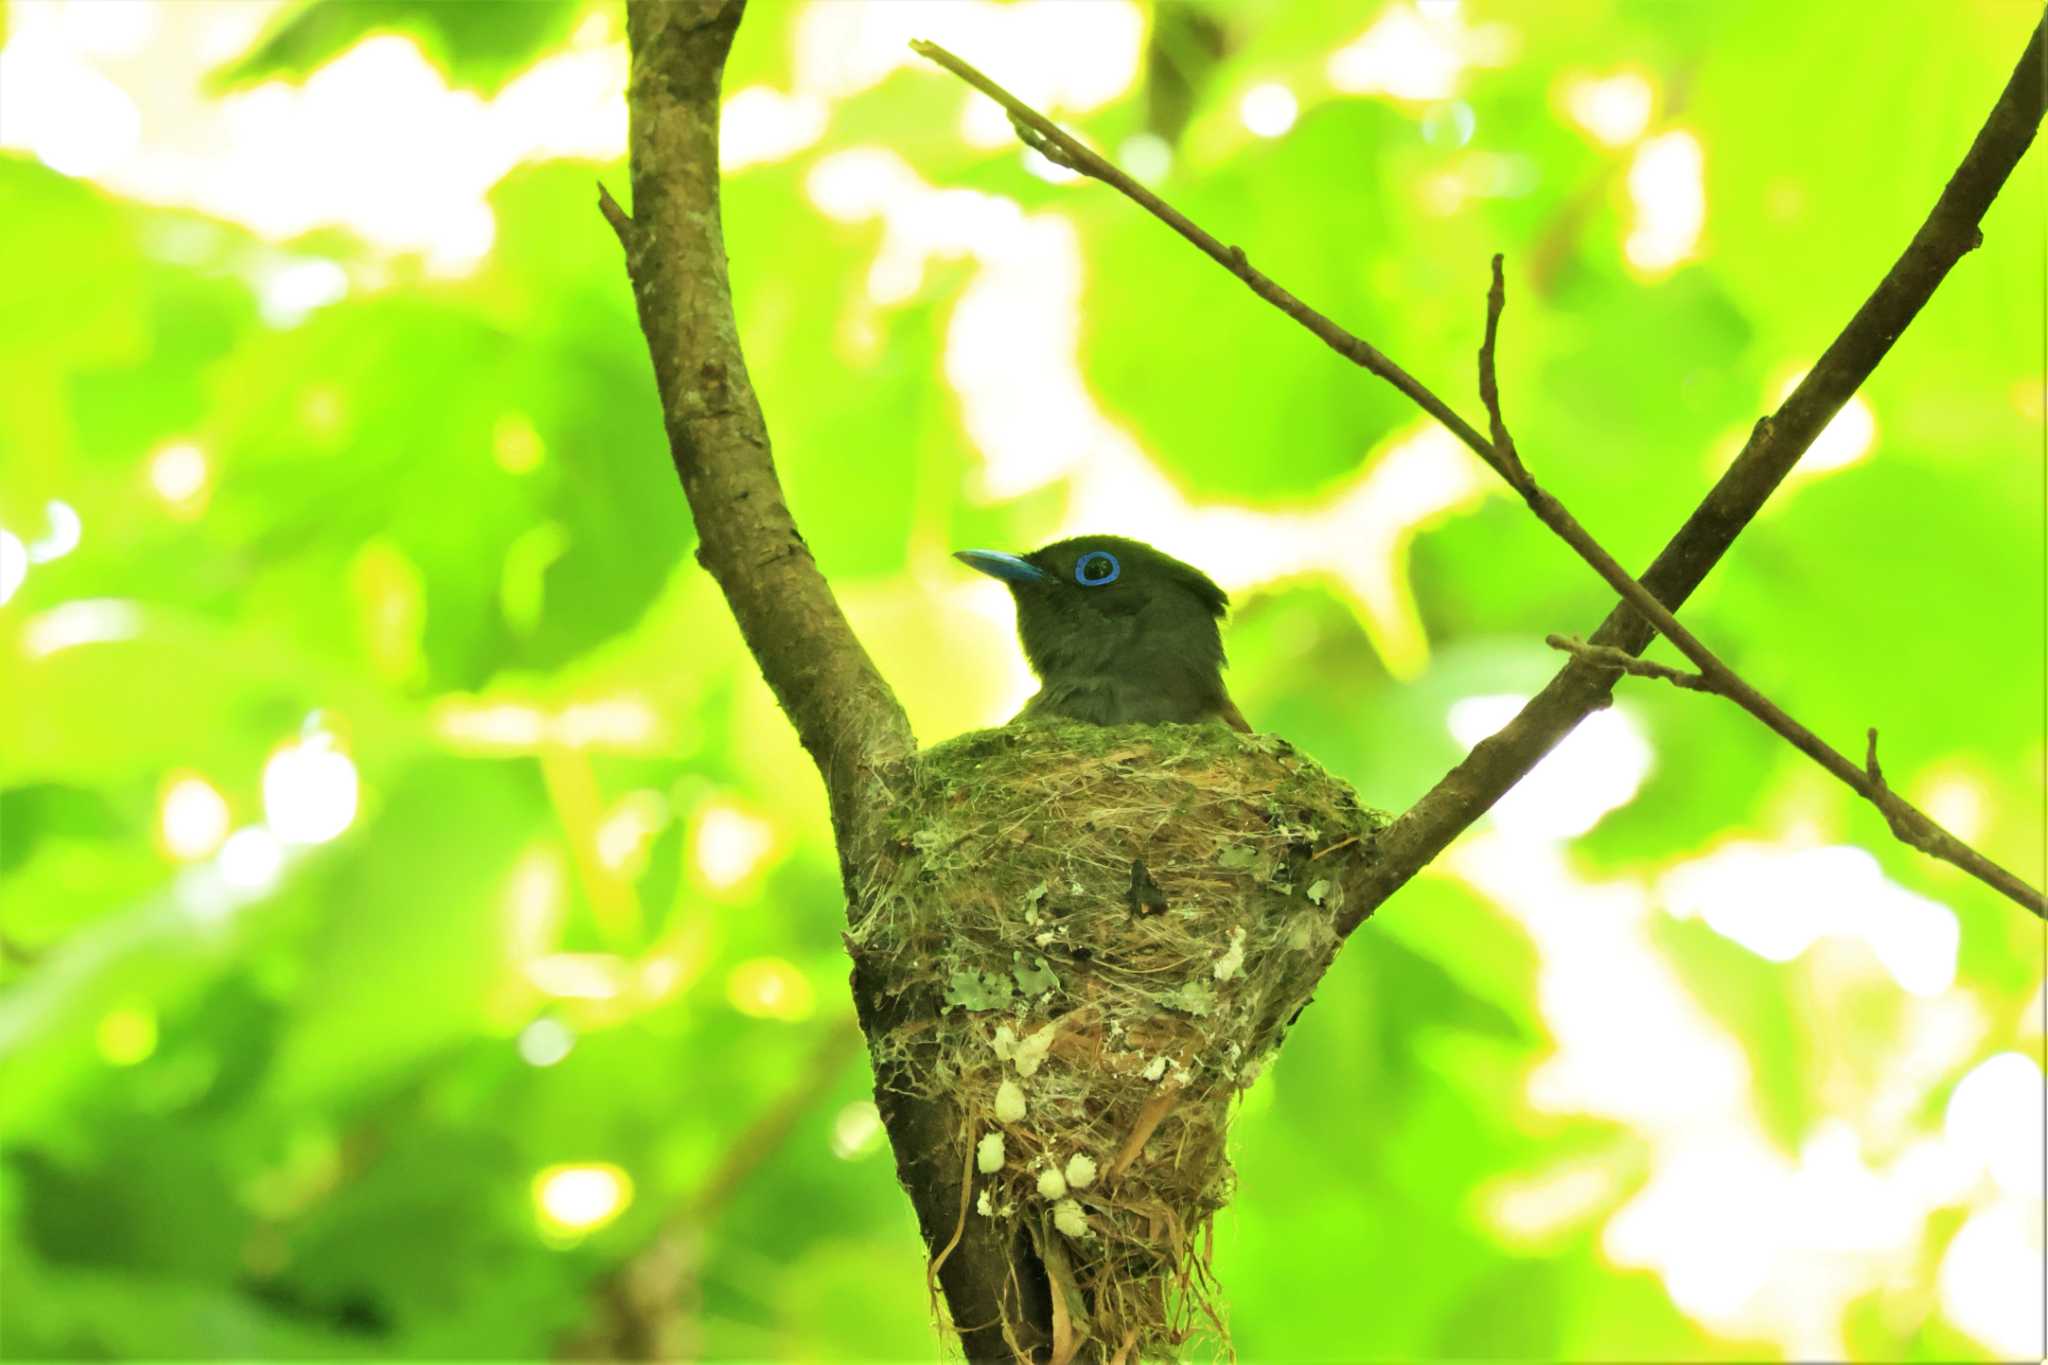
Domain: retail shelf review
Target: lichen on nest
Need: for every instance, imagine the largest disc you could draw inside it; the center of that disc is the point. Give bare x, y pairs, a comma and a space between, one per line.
1093, 938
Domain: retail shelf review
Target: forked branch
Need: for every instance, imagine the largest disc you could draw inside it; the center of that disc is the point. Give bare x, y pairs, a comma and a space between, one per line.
1776, 444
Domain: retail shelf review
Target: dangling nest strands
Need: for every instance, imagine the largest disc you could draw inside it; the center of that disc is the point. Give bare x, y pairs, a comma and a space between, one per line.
1092, 938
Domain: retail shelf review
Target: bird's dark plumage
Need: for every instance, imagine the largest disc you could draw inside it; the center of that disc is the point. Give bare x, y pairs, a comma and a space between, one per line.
1117, 632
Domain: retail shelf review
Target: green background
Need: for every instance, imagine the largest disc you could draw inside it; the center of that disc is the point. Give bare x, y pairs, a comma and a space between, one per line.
304, 1126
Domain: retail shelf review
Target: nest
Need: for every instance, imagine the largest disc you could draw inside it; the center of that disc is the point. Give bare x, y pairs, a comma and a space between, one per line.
1093, 938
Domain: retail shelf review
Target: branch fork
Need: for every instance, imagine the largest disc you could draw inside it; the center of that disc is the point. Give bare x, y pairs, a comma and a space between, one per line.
852, 725
1430, 824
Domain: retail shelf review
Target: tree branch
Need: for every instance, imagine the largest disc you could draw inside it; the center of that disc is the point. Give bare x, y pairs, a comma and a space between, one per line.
1053, 142
1911, 825
1489, 386
843, 711
1908, 823
1774, 447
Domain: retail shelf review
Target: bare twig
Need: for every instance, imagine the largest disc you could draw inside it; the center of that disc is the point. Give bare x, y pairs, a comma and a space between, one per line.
1896, 812
1156, 1109
1439, 821
1606, 656
1052, 141
1489, 386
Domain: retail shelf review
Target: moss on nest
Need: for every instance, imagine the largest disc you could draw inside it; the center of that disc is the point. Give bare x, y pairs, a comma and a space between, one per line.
1093, 938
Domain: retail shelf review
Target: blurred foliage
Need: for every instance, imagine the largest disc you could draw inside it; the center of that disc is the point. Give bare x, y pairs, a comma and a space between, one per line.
478, 43
311, 1125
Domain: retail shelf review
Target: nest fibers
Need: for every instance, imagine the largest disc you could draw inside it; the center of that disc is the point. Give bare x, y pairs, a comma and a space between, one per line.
1091, 938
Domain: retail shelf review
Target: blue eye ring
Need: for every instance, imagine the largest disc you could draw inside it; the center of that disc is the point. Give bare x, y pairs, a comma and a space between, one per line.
1092, 559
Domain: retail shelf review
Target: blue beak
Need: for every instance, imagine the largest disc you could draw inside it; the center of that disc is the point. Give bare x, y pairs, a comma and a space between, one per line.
1009, 568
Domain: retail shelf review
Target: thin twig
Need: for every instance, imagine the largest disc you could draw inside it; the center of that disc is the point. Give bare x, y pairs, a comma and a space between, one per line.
1908, 823
1341, 843
1489, 385
1077, 157
1606, 656
621, 221
1500, 456
1148, 1120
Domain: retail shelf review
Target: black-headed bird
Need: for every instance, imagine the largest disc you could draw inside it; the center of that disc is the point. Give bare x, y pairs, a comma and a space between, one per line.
1117, 632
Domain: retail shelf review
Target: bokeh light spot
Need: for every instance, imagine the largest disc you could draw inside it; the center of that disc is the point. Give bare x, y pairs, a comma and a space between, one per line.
178, 473
310, 791
1958, 803
626, 833
578, 976
760, 125
857, 1131
1778, 900
545, 1042
1991, 1282
1415, 54
1615, 109
251, 860
1994, 1121
62, 537
1268, 110
13, 565
730, 844
1147, 157
770, 988
288, 291
1667, 190
582, 1197
192, 817
88, 621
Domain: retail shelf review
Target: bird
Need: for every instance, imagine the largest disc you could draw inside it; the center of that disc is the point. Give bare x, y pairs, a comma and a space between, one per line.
1117, 632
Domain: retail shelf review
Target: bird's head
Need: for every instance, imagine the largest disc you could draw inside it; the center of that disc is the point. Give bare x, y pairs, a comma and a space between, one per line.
1092, 604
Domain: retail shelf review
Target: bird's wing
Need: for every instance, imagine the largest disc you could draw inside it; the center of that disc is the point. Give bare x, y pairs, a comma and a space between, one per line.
1233, 717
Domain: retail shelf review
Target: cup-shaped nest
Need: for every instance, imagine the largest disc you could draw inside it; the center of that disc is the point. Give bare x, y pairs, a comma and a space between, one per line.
1084, 941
